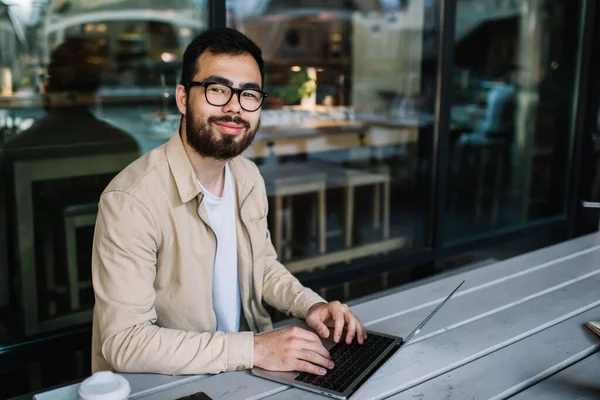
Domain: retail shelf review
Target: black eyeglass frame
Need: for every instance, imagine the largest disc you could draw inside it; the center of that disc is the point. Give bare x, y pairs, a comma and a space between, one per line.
233, 90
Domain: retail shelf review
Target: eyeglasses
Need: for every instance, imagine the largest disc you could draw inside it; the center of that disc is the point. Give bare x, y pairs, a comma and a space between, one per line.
219, 94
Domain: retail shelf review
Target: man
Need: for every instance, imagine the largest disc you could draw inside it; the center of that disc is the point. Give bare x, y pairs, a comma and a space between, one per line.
500, 111
182, 257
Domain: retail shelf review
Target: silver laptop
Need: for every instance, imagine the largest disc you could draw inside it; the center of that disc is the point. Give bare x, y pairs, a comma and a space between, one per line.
354, 363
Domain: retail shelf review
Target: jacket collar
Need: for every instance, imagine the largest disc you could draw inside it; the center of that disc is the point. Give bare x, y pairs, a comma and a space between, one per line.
185, 178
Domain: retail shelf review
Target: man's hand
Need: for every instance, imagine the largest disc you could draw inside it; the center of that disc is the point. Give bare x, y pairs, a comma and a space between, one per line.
291, 349
335, 314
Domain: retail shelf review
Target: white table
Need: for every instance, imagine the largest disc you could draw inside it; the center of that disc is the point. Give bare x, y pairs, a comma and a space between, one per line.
514, 328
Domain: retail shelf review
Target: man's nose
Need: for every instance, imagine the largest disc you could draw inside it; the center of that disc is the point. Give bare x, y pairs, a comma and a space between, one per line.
233, 105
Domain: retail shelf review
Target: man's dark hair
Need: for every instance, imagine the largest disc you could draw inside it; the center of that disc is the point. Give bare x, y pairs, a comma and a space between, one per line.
219, 41
75, 66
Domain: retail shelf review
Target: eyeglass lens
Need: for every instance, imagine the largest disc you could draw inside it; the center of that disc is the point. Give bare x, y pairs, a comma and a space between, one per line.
219, 95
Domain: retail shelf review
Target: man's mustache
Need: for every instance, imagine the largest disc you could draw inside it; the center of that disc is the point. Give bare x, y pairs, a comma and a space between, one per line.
236, 120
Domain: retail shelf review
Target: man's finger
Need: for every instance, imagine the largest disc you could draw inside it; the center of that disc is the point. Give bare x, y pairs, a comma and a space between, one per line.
316, 348
364, 332
305, 366
351, 319
338, 318
360, 329
360, 332
320, 328
315, 358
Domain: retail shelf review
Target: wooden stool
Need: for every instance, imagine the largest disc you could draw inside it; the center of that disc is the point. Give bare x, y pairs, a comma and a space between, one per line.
282, 183
73, 217
348, 180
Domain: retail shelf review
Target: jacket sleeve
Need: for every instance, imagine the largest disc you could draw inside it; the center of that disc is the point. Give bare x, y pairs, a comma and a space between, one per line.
123, 272
281, 289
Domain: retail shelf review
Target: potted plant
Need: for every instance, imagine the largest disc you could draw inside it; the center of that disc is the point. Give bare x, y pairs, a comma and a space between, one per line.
299, 86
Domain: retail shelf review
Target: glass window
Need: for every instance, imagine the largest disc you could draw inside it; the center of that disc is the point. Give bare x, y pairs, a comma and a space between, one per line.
345, 144
514, 94
86, 88
345, 141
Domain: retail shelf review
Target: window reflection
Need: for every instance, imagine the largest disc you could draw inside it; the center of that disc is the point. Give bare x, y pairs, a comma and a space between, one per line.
87, 87
345, 142
350, 114
513, 96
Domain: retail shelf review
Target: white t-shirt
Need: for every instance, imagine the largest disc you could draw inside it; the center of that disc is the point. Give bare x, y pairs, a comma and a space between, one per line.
226, 289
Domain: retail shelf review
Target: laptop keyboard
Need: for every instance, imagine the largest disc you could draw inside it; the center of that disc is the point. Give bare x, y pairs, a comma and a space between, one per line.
350, 361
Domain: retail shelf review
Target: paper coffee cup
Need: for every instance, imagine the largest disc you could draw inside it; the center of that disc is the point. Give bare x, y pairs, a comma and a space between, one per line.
104, 385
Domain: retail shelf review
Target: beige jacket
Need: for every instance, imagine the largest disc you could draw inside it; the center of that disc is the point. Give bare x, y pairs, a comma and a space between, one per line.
152, 264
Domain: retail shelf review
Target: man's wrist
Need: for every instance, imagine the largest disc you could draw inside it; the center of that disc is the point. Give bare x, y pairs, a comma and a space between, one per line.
240, 350
256, 354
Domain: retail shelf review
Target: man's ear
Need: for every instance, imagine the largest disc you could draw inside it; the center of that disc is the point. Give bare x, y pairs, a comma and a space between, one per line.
181, 99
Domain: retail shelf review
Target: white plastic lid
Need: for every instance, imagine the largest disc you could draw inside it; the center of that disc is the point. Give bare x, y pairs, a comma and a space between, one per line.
104, 385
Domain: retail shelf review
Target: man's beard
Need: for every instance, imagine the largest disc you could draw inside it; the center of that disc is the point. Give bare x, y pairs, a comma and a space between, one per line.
219, 146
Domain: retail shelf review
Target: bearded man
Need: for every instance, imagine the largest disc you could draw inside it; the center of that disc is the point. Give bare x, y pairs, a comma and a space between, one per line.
182, 256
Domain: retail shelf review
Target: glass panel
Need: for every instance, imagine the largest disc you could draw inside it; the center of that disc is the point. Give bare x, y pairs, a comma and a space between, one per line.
588, 216
345, 141
514, 85
87, 87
